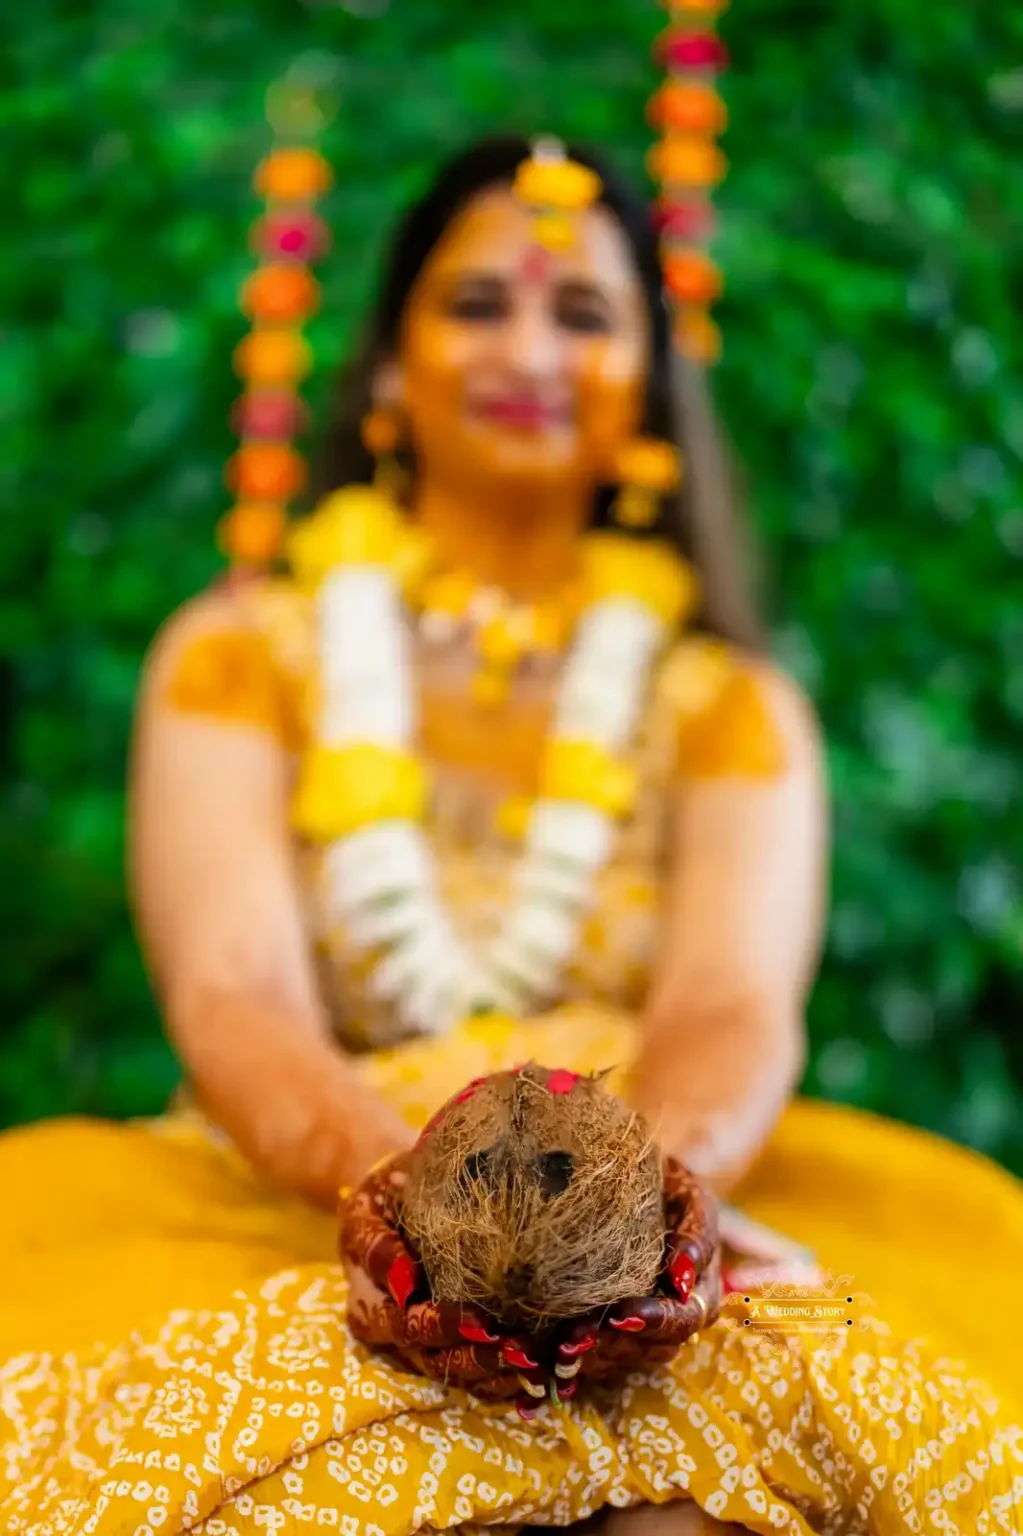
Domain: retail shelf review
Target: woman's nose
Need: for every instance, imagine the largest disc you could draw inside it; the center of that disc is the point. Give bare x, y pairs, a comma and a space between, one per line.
532, 341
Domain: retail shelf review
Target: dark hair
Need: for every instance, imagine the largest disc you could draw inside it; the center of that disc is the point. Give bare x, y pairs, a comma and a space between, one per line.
702, 520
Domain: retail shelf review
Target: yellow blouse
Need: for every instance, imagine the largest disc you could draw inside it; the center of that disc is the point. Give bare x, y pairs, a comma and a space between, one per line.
705, 716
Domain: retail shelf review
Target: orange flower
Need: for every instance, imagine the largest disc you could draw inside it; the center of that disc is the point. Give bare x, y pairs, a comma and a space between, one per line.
266, 472
293, 175
252, 533
273, 357
697, 336
692, 278
690, 107
280, 294
649, 463
696, 7
689, 161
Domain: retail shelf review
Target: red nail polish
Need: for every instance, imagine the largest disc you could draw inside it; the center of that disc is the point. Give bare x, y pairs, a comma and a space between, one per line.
475, 1334
628, 1324
582, 1347
562, 1081
682, 1272
469, 1091
512, 1355
402, 1279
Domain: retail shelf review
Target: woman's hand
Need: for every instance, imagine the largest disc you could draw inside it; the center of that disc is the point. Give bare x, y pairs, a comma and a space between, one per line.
648, 1330
222, 917
388, 1308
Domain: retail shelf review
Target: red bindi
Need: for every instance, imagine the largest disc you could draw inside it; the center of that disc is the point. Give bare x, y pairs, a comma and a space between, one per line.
536, 265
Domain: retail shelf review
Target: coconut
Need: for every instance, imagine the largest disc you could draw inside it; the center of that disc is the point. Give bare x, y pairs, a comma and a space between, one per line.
536, 1195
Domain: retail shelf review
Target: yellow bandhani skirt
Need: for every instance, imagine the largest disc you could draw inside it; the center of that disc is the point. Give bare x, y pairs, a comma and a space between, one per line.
175, 1354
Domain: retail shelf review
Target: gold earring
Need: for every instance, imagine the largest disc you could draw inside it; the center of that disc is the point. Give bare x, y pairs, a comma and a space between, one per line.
647, 469
381, 434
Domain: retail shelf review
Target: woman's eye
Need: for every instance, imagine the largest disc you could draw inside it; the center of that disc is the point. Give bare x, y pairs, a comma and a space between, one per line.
477, 306
576, 317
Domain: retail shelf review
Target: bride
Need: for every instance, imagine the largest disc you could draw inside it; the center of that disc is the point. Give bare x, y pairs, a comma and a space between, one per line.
496, 770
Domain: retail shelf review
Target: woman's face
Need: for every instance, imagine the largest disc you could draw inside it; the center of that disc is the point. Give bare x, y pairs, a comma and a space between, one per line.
519, 365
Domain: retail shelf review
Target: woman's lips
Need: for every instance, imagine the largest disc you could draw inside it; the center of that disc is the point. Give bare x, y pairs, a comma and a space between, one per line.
522, 412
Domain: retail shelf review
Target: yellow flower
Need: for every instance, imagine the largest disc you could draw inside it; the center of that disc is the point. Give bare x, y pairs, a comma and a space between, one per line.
562, 184
414, 556
356, 526
449, 593
555, 231
648, 573
650, 464
343, 789
495, 1031
512, 819
499, 645
584, 772
551, 624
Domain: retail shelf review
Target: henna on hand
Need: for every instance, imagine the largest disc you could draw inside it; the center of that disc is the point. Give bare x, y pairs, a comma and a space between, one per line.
460, 1347
370, 1238
691, 1213
443, 1341
648, 1330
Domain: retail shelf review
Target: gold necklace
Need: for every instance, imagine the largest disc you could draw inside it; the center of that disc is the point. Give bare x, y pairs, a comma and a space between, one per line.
505, 629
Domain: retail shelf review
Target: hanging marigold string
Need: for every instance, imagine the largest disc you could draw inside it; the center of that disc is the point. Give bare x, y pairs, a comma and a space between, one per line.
687, 165
278, 297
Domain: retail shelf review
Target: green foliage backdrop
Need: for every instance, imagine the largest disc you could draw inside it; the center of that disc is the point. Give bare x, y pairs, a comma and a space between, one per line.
872, 241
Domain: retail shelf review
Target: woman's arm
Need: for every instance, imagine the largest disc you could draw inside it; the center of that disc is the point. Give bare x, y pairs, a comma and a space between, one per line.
220, 920
724, 1043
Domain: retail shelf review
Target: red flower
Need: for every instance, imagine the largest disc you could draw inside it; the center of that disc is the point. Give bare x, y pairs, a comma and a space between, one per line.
695, 50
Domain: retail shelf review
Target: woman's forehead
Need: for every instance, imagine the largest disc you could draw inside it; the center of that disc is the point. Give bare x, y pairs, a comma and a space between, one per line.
494, 234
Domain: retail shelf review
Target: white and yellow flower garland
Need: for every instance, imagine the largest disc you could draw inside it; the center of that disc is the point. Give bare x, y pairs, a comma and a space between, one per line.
363, 790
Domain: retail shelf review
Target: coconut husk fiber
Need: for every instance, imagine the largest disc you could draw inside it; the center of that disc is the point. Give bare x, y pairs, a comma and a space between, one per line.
536, 1195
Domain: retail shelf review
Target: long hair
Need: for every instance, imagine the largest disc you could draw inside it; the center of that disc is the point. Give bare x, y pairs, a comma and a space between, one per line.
702, 519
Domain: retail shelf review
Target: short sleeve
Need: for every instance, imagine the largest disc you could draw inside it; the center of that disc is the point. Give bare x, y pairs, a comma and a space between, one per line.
724, 723
230, 675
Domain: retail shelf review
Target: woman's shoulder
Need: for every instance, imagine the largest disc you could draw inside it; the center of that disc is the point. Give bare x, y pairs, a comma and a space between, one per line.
237, 652
734, 711
270, 608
